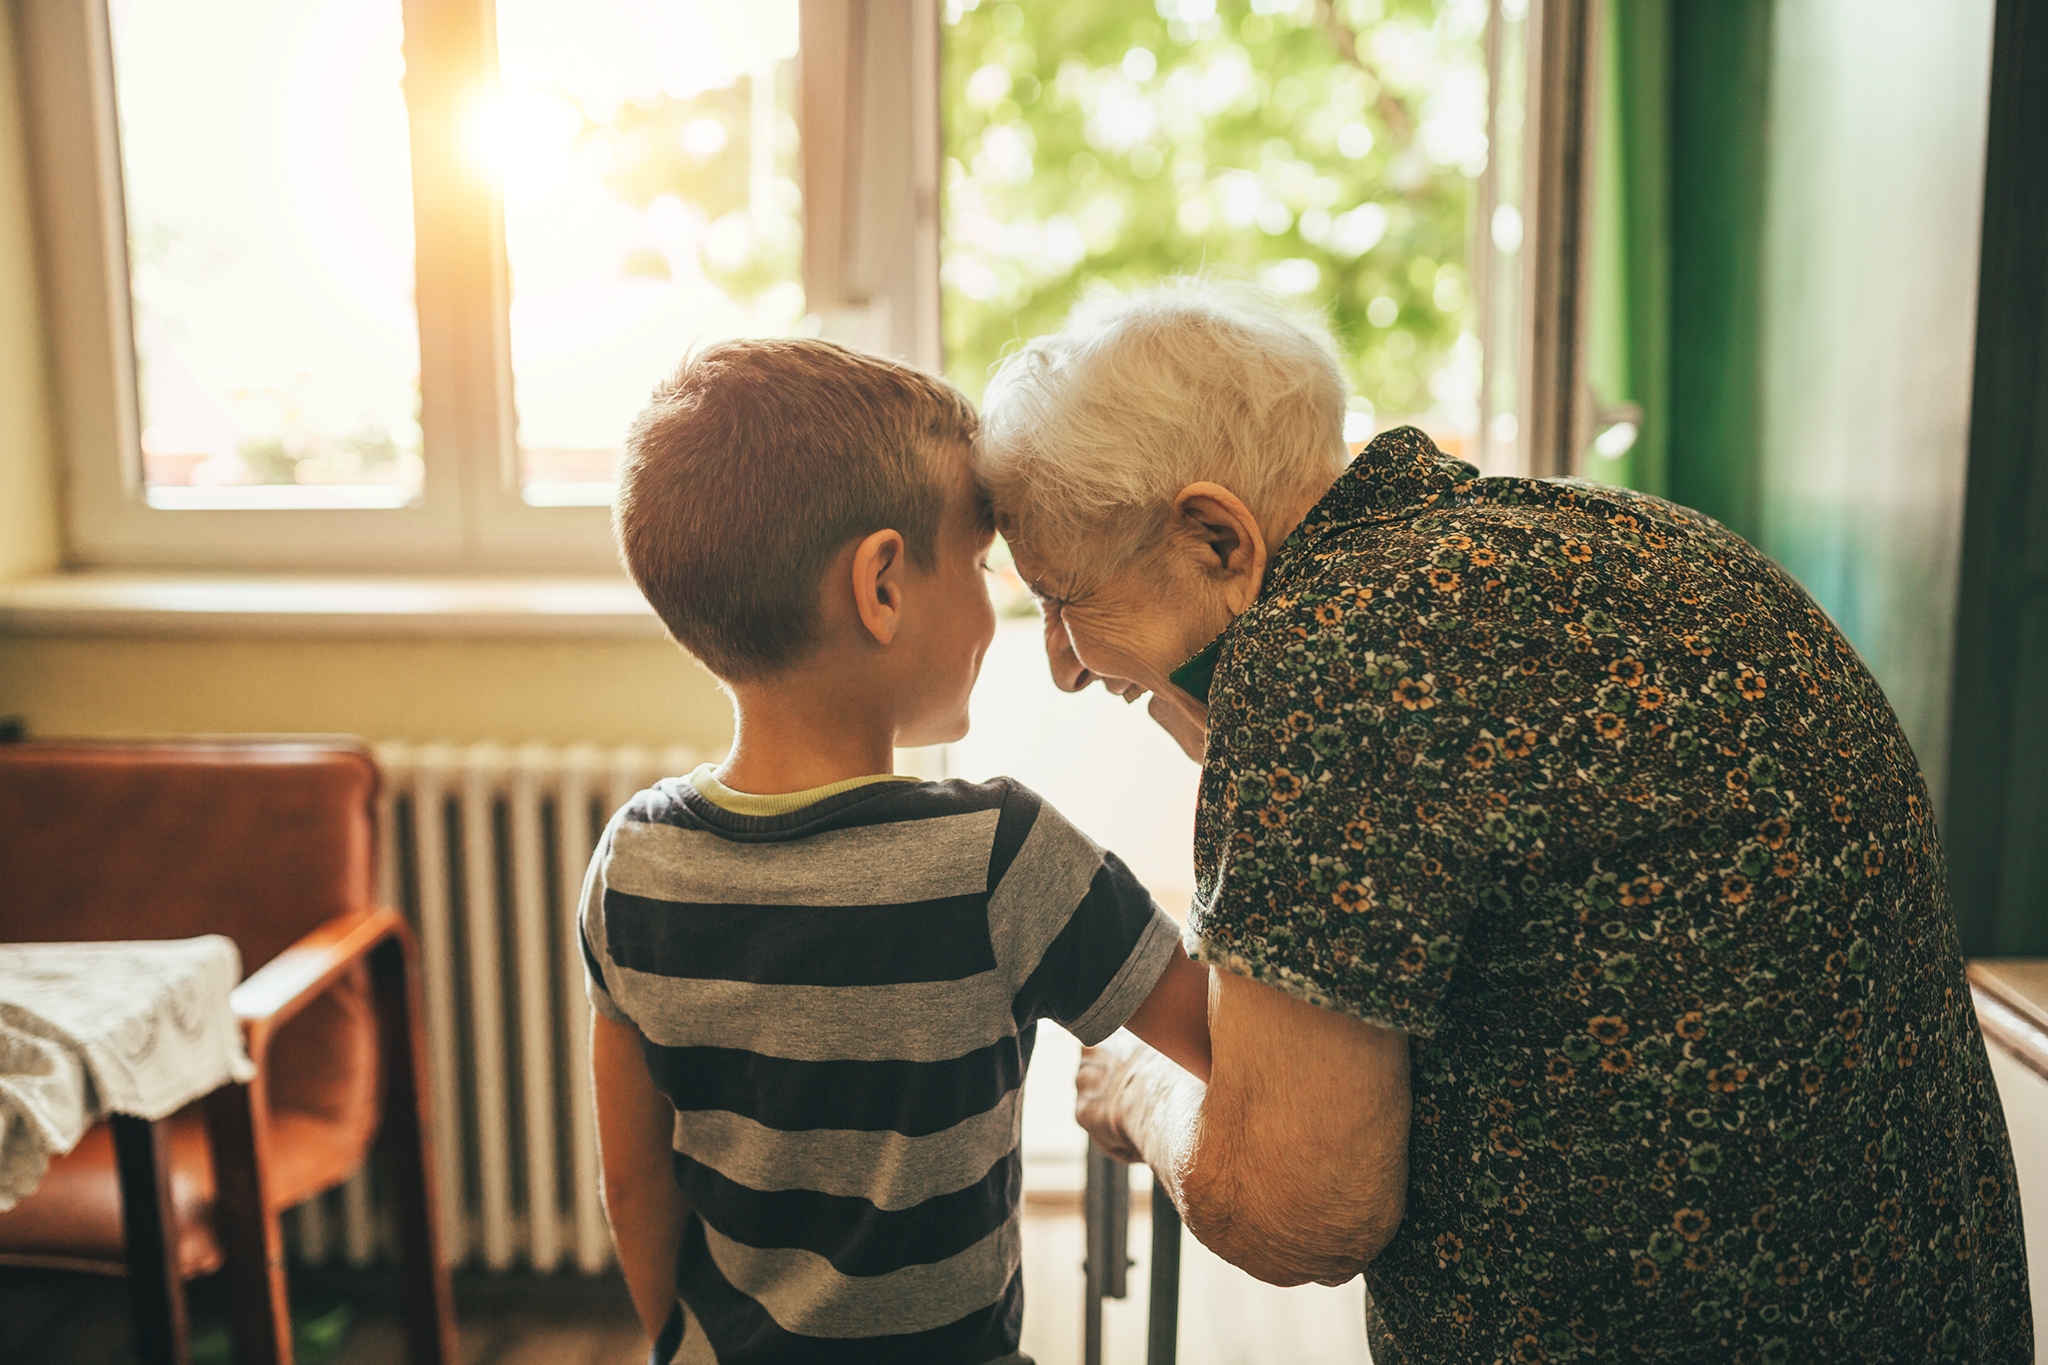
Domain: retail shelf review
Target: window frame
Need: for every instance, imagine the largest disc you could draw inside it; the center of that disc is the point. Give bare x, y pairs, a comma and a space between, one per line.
868, 100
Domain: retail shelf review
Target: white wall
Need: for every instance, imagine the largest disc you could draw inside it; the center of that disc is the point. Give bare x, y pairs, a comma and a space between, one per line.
2025, 1097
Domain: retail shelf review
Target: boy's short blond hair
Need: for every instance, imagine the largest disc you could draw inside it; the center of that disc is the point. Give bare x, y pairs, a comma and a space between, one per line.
750, 468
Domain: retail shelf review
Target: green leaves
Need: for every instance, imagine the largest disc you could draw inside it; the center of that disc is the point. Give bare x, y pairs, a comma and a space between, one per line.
1327, 154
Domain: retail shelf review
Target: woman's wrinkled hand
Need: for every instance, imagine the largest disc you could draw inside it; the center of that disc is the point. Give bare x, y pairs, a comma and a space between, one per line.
1101, 1091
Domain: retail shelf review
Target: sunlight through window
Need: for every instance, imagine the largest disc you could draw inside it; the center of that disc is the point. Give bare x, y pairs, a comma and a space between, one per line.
268, 188
649, 161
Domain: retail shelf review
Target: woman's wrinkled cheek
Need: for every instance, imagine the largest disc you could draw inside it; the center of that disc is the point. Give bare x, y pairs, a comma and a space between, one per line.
1109, 646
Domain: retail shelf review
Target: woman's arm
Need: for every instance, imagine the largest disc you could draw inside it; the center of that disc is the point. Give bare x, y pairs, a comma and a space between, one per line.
1292, 1163
635, 1133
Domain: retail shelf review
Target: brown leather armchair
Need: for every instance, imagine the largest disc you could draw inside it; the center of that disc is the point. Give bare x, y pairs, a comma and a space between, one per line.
272, 844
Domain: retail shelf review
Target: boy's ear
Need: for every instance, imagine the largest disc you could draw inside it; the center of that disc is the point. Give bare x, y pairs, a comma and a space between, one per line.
877, 584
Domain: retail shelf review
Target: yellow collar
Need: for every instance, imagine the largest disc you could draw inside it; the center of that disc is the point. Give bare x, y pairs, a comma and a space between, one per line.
781, 803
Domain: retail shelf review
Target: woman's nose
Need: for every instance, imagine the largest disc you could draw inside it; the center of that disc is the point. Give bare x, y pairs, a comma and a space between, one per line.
1067, 673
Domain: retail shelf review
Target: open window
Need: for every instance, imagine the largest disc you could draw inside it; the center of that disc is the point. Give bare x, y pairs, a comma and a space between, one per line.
378, 284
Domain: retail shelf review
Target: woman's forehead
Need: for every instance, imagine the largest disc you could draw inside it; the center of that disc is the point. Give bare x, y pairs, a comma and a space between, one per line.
1037, 574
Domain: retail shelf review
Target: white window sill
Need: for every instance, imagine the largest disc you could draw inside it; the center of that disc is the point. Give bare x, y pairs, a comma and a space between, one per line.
271, 604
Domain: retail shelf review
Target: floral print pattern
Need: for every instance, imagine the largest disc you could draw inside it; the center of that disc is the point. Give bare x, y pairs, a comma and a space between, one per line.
1587, 796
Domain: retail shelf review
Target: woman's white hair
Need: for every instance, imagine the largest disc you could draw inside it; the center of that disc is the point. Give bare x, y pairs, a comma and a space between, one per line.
1089, 433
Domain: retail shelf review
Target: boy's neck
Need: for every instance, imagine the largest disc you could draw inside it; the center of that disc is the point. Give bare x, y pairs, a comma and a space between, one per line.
792, 737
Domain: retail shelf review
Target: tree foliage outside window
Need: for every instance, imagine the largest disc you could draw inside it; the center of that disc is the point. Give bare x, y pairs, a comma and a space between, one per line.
698, 152
1324, 148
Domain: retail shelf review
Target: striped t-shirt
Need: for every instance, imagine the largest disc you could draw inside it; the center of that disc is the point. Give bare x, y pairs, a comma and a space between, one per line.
840, 1001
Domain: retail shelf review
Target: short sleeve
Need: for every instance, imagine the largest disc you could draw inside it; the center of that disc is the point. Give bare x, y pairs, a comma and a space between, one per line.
1339, 842
1082, 937
590, 936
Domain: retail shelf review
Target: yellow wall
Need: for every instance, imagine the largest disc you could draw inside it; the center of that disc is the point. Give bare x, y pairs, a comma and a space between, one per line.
28, 506
606, 691
560, 691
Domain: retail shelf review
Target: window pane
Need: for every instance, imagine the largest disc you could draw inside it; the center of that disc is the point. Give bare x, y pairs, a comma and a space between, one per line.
649, 156
1327, 150
269, 197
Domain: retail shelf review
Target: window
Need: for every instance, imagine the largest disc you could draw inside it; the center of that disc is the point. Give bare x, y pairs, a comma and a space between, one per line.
1326, 150
270, 252
648, 154
380, 283
1329, 152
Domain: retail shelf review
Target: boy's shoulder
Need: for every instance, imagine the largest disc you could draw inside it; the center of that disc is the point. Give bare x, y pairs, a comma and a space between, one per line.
677, 802
990, 825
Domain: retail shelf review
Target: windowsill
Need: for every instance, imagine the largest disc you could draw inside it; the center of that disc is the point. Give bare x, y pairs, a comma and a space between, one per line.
132, 603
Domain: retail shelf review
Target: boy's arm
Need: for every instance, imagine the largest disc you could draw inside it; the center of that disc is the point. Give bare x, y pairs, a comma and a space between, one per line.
1175, 1018
635, 1129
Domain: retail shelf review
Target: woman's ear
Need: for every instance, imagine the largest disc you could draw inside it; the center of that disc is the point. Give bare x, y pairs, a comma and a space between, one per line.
877, 585
1227, 538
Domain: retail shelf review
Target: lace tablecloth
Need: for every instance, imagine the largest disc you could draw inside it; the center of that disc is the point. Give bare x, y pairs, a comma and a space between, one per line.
88, 1029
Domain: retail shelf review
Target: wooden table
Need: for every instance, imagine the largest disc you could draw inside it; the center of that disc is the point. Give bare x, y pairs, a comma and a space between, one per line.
151, 1024
156, 1292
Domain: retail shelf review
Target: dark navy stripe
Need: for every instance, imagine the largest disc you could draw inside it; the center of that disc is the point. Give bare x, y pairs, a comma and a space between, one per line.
1013, 826
670, 1340
911, 1098
945, 939
741, 1332
851, 1233
1090, 950
590, 958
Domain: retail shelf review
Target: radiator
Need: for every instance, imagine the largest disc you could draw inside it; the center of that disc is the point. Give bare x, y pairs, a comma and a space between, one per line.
484, 848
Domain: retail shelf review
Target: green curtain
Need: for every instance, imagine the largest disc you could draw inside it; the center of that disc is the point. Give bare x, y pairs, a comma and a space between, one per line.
1678, 254
1997, 808
1719, 89
1629, 359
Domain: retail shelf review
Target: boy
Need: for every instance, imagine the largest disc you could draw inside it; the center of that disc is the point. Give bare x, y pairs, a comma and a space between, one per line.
815, 984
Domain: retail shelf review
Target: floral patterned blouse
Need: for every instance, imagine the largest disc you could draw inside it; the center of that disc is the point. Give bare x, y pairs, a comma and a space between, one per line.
1587, 796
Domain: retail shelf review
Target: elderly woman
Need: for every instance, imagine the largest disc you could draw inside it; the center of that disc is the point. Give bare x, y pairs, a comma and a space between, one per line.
1583, 968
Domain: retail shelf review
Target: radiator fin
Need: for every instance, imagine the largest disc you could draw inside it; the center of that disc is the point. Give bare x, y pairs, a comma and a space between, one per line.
484, 849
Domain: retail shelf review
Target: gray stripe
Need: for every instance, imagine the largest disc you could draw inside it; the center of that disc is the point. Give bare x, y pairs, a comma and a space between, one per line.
1039, 893
915, 1021
696, 1347
804, 1294
590, 932
892, 864
889, 1170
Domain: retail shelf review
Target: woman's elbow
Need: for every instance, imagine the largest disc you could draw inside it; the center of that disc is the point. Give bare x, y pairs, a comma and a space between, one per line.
1285, 1227
1380, 1223
1217, 1211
